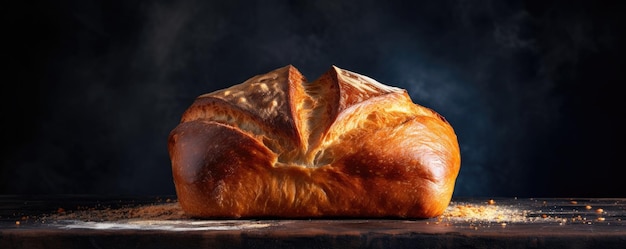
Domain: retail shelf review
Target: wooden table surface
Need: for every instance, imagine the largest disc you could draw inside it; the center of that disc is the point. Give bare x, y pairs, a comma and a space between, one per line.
158, 222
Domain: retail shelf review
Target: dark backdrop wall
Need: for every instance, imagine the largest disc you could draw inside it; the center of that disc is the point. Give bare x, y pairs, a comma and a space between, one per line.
91, 89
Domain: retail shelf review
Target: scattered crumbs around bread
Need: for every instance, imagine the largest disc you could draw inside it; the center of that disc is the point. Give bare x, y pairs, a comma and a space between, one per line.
158, 211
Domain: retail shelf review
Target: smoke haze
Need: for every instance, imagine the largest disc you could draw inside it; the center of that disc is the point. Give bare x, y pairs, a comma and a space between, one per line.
530, 87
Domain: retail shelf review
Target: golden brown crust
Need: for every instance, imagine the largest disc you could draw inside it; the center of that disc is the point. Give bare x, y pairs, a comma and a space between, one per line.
341, 146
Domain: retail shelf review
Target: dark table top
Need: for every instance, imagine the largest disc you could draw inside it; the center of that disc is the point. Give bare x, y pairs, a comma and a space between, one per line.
158, 222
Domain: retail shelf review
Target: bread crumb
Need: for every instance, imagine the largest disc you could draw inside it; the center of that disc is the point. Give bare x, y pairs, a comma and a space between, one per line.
162, 211
482, 213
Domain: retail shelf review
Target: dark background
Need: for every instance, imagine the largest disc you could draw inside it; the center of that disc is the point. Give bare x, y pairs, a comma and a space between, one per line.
91, 89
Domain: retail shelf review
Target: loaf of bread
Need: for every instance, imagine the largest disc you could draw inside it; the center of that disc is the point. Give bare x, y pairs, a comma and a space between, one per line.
344, 145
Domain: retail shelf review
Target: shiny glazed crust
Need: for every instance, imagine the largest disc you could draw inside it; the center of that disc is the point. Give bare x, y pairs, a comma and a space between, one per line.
343, 145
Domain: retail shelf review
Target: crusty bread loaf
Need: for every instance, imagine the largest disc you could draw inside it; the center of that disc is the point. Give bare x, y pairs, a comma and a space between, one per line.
343, 145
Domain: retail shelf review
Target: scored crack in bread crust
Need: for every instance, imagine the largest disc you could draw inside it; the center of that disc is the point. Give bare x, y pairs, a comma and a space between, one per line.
343, 145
